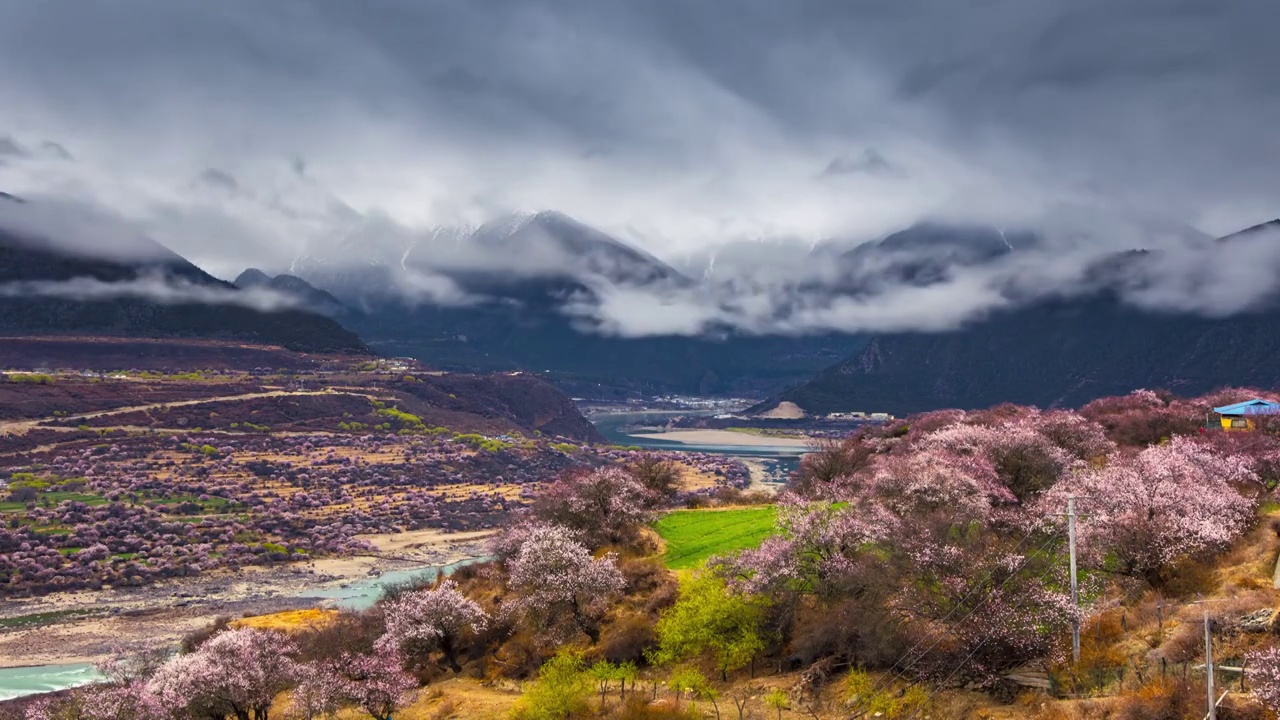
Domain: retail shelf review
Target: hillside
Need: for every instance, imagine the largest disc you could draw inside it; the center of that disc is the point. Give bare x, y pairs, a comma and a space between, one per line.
667, 602
50, 289
1056, 353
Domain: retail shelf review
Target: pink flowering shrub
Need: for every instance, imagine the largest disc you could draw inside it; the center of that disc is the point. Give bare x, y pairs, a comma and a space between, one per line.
237, 673
932, 480
814, 550
423, 621
1167, 502
377, 684
1024, 460
117, 702
604, 506
560, 588
1144, 417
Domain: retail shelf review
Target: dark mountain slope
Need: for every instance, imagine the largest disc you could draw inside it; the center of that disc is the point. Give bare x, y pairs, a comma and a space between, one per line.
522, 399
307, 295
50, 290
1056, 353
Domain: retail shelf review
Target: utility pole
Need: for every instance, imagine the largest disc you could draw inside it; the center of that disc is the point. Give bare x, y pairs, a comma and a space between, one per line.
1208, 666
1075, 590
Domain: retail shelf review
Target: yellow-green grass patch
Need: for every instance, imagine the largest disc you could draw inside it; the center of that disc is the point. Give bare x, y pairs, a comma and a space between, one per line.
692, 536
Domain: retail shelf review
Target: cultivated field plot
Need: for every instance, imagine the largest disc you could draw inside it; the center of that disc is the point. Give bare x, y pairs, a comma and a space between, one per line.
692, 536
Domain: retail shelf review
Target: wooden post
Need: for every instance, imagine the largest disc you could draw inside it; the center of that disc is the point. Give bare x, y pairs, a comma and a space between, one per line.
1075, 590
1208, 667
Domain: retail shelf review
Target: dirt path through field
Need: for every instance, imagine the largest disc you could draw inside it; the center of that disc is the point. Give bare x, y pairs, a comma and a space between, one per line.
19, 427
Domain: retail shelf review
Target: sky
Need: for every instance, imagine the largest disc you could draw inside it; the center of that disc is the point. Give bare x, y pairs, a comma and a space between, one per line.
245, 133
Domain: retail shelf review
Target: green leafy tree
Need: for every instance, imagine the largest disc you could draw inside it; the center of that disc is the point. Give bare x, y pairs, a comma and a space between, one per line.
603, 672
560, 692
710, 621
627, 673
686, 679
777, 700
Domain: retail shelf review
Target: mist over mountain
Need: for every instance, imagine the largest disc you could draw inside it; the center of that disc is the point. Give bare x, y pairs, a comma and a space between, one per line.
55, 284
511, 293
306, 295
1140, 325
579, 180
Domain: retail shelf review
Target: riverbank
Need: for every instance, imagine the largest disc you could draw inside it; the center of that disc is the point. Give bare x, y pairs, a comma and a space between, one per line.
88, 626
724, 438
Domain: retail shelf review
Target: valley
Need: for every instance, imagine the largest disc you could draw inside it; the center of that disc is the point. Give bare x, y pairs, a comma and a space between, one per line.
142, 499
306, 524
578, 360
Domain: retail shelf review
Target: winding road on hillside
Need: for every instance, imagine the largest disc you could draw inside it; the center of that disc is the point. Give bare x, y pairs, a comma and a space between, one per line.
19, 427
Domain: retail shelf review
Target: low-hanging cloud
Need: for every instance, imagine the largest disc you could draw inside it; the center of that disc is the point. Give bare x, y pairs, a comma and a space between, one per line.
1175, 273
156, 287
748, 149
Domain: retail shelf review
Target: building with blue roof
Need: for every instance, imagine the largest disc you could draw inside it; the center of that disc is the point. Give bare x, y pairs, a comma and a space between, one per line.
1241, 416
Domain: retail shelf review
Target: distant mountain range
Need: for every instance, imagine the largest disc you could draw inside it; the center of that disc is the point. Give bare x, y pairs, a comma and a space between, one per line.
48, 288
443, 298
1059, 352
500, 320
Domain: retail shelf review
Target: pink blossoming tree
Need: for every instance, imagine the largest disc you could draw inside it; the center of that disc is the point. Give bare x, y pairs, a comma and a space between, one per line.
236, 672
1264, 676
377, 684
426, 620
560, 587
1162, 504
605, 506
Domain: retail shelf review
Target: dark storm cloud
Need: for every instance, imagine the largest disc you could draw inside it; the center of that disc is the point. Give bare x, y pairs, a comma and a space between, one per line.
680, 127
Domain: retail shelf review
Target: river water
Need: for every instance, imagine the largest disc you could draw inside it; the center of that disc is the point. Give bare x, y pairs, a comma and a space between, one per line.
23, 681
363, 594
778, 461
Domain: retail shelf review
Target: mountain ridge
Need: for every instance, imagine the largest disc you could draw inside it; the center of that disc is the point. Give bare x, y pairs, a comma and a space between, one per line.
1057, 352
307, 295
51, 289
507, 320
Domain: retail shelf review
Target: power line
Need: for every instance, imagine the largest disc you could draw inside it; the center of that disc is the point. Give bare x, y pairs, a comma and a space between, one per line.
902, 673
976, 587
967, 658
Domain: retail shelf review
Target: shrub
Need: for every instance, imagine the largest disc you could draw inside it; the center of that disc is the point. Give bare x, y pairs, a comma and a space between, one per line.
1162, 699
23, 494
874, 698
35, 378
659, 476
627, 638
353, 632
561, 691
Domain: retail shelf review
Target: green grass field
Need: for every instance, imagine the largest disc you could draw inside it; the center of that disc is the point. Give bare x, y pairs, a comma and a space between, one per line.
54, 499
692, 536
